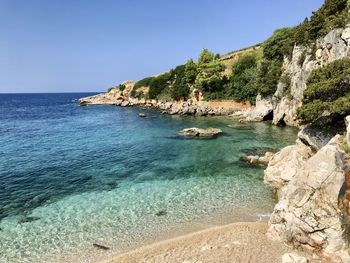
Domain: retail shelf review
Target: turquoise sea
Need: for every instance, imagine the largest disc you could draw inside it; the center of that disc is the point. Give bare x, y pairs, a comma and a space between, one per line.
72, 176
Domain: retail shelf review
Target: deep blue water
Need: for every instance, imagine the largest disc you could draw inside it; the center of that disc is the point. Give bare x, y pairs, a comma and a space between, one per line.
61, 164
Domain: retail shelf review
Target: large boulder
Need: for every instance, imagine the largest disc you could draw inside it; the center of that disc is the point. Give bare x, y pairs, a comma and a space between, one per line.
257, 160
285, 112
197, 132
176, 108
307, 213
284, 165
262, 111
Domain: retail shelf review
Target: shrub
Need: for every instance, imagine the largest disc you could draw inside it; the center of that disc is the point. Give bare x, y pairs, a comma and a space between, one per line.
191, 72
121, 87
209, 78
180, 92
327, 92
269, 73
242, 85
206, 56
332, 14
146, 82
158, 84
280, 44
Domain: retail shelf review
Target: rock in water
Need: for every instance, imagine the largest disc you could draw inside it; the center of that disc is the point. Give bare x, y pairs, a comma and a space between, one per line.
100, 246
161, 213
197, 132
28, 219
142, 115
257, 160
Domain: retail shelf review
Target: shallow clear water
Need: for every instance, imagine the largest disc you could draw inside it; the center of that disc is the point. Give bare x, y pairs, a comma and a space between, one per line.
72, 176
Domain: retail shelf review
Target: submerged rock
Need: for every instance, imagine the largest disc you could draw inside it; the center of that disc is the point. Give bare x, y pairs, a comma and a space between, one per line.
28, 219
161, 213
197, 132
100, 246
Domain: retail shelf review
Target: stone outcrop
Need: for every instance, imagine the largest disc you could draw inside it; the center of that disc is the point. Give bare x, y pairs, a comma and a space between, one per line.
197, 132
335, 45
262, 111
309, 186
258, 160
284, 165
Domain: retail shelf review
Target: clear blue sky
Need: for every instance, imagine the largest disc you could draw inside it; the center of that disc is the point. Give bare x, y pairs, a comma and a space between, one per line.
83, 45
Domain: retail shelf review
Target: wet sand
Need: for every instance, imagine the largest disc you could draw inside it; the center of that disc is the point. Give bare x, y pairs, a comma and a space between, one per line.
234, 243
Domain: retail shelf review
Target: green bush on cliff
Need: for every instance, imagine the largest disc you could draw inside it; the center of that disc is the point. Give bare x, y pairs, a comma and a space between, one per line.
146, 82
280, 44
158, 84
327, 92
268, 75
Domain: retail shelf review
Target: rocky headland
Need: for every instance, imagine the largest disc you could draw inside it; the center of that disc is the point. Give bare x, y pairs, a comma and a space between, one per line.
195, 105
283, 105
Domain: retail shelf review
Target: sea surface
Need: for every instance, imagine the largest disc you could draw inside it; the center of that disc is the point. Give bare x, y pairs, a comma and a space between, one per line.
72, 176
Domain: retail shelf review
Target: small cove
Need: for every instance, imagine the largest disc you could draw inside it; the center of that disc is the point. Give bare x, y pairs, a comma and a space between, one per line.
72, 176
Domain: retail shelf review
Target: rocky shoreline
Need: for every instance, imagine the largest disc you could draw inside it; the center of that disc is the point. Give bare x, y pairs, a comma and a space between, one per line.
313, 189
196, 105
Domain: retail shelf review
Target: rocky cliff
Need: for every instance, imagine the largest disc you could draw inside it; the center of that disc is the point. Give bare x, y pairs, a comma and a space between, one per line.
288, 96
313, 189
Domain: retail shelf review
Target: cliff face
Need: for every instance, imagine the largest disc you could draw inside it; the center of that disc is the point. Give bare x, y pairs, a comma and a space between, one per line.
288, 96
335, 45
313, 189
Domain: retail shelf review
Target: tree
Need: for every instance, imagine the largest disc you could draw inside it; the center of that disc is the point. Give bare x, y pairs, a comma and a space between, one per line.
242, 85
158, 84
191, 72
206, 56
269, 73
327, 92
280, 44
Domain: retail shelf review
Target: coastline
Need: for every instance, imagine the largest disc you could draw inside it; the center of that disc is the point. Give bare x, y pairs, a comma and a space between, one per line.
235, 242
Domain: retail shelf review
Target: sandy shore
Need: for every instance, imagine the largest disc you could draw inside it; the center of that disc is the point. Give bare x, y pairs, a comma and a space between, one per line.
234, 243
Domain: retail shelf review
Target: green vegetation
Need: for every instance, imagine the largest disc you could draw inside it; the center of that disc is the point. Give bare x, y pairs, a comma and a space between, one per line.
242, 85
121, 87
327, 92
344, 144
280, 44
206, 57
332, 14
